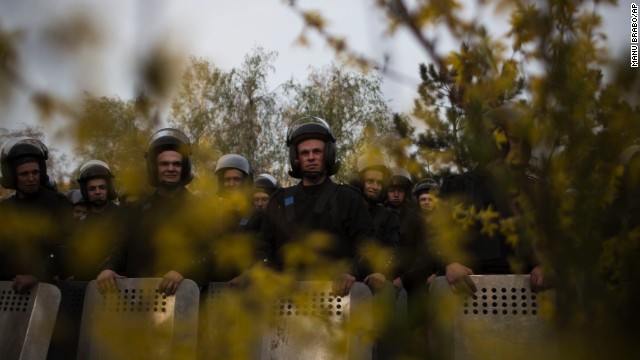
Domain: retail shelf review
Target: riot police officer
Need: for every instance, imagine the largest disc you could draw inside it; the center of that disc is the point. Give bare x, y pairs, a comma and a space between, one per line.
412, 231
317, 206
494, 185
102, 227
399, 189
235, 180
263, 187
165, 233
78, 203
35, 219
424, 192
234, 173
96, 184
373, 179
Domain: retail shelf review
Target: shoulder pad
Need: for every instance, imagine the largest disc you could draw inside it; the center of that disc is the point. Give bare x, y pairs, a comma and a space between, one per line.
277, 192
278, 195
55, 196
62, 197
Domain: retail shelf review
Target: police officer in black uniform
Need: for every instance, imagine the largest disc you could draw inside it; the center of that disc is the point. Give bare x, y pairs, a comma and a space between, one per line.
165, 236
413, 232
317, 206
425, 192
491, 185
399, 191
78, 203
235, 181
263, 187
426, 262
97, 187
35, 220
234, 173
373, 177
101, 229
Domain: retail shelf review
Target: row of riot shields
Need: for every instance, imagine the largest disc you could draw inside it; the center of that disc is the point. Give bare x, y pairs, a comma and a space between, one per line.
281, 320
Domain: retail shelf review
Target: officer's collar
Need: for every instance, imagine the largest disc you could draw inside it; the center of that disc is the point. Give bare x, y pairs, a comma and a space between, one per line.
312, 189
27, 197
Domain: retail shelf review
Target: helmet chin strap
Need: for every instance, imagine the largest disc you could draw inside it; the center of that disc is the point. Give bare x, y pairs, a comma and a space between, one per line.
99, 203
395, 207
313, 175
169, 186
375, 200
24, 195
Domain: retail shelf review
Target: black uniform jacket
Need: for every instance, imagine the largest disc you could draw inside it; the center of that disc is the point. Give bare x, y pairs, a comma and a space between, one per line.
331, 212
415, 258
489, 254
93, 240
32, 232
164, 234
386, 225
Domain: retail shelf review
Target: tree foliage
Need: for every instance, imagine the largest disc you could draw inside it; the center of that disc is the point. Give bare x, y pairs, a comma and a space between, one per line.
231, 112
235, 112
351, 102
116, 132
193, 108
577, 108
551, 68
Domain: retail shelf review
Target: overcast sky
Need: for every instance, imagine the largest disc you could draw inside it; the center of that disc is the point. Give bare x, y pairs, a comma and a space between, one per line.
222, 31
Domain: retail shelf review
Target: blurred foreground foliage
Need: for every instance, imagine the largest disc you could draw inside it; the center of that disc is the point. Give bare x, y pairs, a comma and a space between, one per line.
574, 104
576, 107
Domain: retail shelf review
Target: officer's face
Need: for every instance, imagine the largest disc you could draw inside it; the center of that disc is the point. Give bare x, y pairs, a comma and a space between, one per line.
232, 179
79, 212
169, 167
373, 183
311, 156
396, 196
426, 201
28, 177
97, 191
260, 200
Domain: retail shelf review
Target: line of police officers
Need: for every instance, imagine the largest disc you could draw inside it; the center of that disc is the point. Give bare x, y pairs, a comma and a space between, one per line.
173, 234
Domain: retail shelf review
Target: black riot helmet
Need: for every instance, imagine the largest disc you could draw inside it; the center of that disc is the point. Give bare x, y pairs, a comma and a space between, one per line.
164, 140
401, 178
19, 151
425, 186
311, 127
96, 169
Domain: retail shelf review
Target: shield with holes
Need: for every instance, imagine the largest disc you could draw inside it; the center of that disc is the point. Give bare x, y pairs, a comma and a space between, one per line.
138, 321
504, 319
27, 320
309, 322
64, 341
